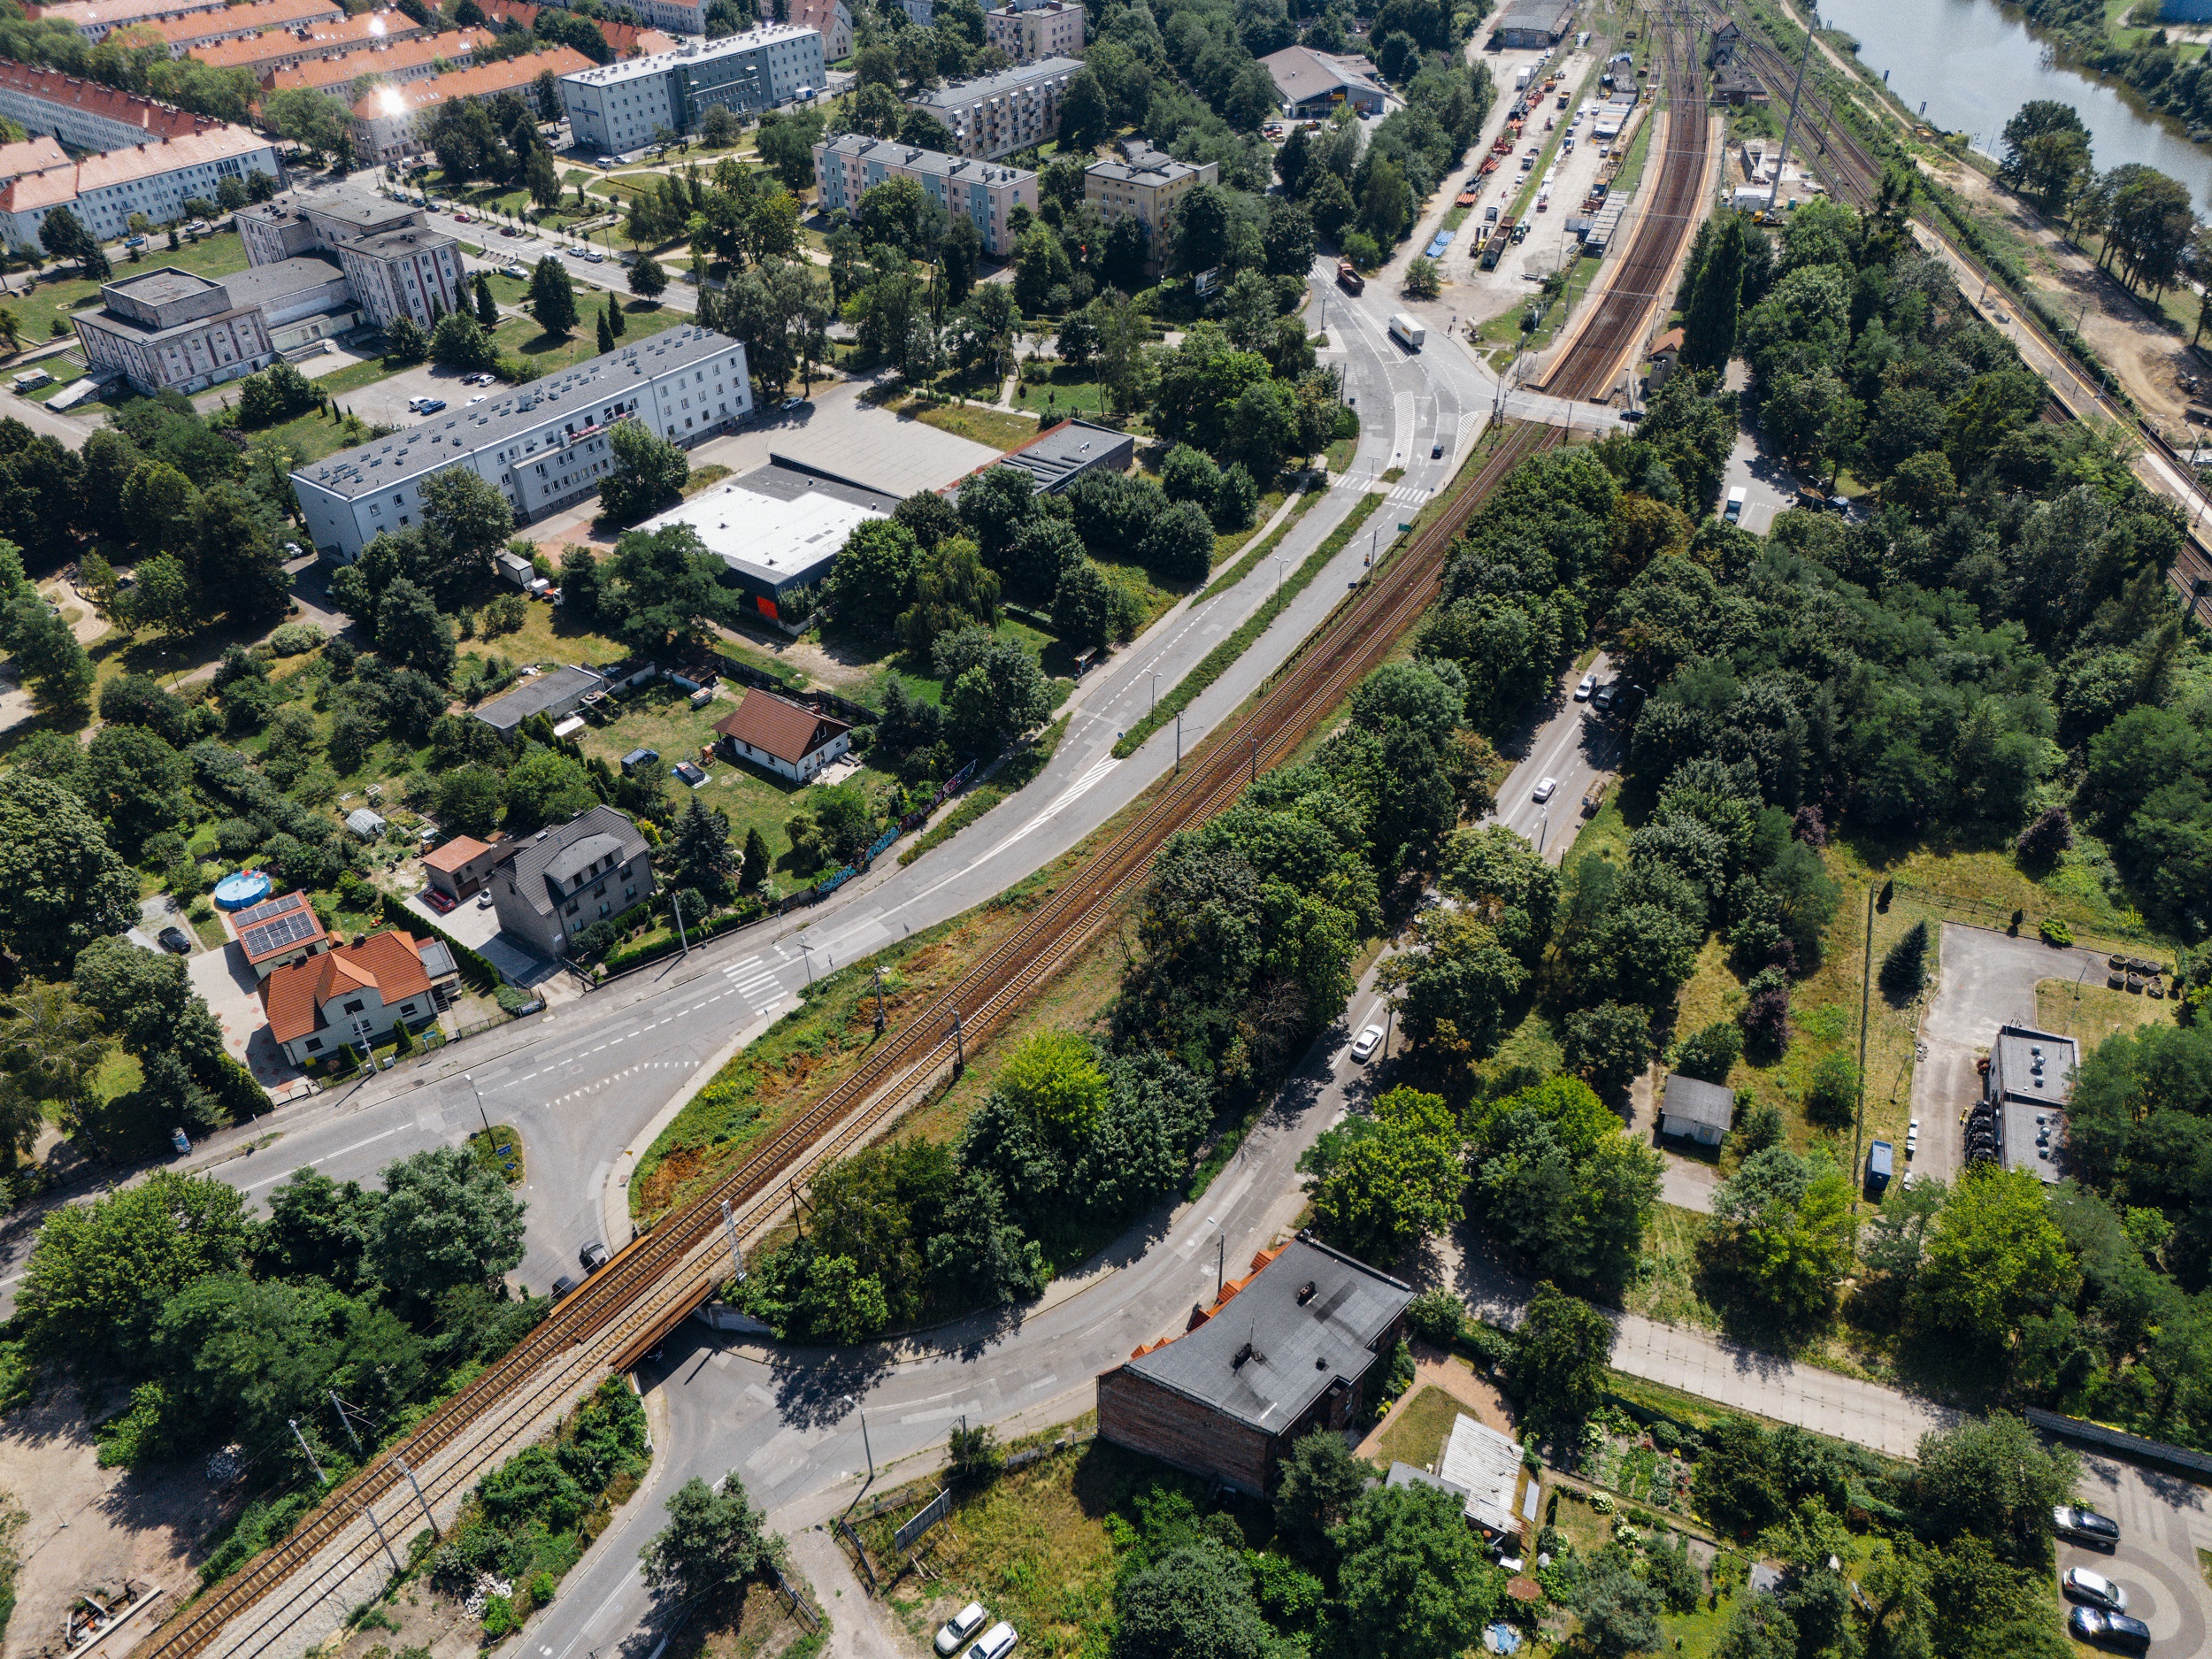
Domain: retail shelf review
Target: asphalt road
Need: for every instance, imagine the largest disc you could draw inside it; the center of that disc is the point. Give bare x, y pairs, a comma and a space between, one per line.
1575, 746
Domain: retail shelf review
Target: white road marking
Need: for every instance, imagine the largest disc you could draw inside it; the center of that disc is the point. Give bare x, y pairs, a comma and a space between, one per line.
326, 1158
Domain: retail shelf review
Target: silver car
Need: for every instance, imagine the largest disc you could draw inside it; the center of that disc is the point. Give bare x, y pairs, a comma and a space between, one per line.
2082, 1584
960, 1626
1544, 791
997, 1642
1364, 1045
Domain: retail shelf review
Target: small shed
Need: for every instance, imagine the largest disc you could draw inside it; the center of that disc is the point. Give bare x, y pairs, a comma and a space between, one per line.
1487, 1466
368, 825
1696, 1110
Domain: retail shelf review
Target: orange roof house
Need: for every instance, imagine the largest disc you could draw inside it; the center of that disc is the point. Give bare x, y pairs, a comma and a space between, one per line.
335, 999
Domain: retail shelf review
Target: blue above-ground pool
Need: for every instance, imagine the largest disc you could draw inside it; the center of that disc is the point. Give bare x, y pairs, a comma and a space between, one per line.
235, 892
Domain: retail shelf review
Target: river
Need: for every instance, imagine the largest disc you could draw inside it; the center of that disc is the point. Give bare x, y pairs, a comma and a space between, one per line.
1974, 64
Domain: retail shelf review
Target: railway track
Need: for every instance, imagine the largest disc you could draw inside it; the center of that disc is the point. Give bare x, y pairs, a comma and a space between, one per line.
660, 1278
1591, 364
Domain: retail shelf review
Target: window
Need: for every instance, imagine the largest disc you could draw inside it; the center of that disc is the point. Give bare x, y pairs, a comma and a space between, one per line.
354, 1007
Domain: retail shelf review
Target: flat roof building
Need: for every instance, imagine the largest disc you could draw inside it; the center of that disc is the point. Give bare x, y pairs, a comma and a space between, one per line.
621, 106
387, 121
996, 115
542, 445
1532, 23
1309, 84
554, 693
778, 528
1145, 183
850, 166
1696, 1110
1027, 33
1057, 457
1487, 1466
166, 329
2024, 1097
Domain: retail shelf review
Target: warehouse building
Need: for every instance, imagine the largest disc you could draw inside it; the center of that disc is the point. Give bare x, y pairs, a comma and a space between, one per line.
779, 529
1532, 23
848, 166
542, 446
622, 106
1297, 1346
1308, 85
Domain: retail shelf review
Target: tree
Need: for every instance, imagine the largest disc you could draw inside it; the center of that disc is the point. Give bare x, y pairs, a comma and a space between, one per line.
458, 341
62, 233
61, 885
1993, 1257
1396, 1179
487, 307
755, 867
665, 586
1424, 280
648, 472
1619, 1608
552, 297
1088, 609
874, 574
1195, 1602
465, 521
1783, 1234
546, 786
1708, 321
1994, 1478
1559, 1184
957, 257
446, 1220
1180, 545
1053, 1083
1609, 1044
1320, 1482
412, 633
2046, 153
1561, 1351
1412, 1581
1905, 966
469, 798
137, 781
101, 1270
952, 588
48, 655
648, 279
701, 851
713, 1537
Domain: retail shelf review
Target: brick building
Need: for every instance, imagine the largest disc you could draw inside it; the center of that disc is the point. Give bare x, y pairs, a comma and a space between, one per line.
1297, 1345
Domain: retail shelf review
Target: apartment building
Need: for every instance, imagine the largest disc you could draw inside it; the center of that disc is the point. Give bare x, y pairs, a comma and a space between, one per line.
388, 122
996, 115
1029, 33
86, 115
155, 179
394, 265
832, 20
180, 35
1147, 183
168, 330
618, 107
850, 166
94, 18
544, 446
678, 16
36, 154
403, 65
266, 54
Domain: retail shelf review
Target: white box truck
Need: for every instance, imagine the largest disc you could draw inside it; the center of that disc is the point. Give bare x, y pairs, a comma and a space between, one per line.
1734, 509
1409, 333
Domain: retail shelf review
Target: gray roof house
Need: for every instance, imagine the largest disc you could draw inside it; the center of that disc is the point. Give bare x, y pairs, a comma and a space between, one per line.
1288, 1351
555, 693
1697, 1110
564, 878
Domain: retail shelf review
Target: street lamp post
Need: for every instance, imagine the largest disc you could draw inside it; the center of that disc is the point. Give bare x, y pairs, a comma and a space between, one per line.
853, 1401
1278, 575
1156, 686
805, 951
469, 1080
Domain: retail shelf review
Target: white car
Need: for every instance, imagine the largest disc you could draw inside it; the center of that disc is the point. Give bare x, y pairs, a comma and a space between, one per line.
579, 251
479, 397
1545, 790
997, 1642
2082, 1584
1364, 1045
1582, 691
960, 1626
596, 256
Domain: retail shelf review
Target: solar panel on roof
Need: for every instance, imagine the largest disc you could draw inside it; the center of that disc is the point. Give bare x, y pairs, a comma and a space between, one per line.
269, 907
275, 935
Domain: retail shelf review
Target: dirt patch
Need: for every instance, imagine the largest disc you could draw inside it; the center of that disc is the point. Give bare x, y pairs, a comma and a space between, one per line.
86, 1526
2147, 356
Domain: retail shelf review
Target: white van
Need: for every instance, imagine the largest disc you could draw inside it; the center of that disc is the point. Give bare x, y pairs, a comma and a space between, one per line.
1733, 512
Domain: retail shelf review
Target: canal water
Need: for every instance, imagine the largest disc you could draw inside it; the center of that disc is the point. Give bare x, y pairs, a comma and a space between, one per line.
1974, 64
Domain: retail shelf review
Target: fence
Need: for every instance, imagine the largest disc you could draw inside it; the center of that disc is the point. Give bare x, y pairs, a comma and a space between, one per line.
1988, 913
2179, 1459
823, 701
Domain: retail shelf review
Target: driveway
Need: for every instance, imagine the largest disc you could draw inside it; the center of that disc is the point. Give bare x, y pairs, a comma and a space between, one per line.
2163, 1522
1984, 980
1768, 487
385, 401
234, 996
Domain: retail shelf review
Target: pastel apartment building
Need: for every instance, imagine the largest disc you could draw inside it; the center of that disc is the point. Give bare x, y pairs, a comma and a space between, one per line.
388, 122
618, 107
93, 20
266, 54
832, 20
542, 446
1146, 182
850, 166
551, 887
86, 115
1030, 33
155, 179
996, 115
404, 65
181, 35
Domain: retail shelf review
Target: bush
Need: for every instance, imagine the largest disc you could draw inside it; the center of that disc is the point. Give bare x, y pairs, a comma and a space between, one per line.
1708, 1054
1758, 1125
2055, 932
2050, 833
1487, 1348
510, 1000
1436, 1317
296, 638
1832, 1097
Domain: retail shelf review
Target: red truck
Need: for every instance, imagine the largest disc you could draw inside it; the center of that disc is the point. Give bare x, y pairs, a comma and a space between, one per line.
1348, 279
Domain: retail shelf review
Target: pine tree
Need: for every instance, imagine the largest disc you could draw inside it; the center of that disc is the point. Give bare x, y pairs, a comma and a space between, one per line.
606, 335
1709, 322
755, 870
1905, 969
486, 308
615, 320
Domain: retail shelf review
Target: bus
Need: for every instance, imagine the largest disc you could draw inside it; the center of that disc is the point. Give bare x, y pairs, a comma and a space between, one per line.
1410, 333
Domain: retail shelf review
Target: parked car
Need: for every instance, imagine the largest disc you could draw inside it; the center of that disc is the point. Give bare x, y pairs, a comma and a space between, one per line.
960, 1626
596, 256
997, 1642
174, 938
593, 1256
1364, 1045
441, 903
2081, 1585
510, 230
1436, 452
2101, 1629
1602, 699
484, 900
608, 161
2085, 1526
1545, 790
1588, 684
460, 217
134, 241
431, 405
562, 1285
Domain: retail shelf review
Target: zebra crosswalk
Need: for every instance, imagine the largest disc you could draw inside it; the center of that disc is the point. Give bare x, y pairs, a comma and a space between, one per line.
756, 983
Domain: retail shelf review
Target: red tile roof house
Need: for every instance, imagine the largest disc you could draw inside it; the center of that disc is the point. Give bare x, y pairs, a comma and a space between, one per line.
333, 999
463, 865
787, 738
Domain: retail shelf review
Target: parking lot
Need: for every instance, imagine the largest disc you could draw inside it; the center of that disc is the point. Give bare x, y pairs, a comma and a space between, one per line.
2164, 1522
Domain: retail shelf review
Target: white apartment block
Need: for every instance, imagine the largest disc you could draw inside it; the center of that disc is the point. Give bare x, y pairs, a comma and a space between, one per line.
167, 329
850, 166
388, 122
618, 107
544, 446
679, 17
86, 115
996, 115
155, 179
1028, 34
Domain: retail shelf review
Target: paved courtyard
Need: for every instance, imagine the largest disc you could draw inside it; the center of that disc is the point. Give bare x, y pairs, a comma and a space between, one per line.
234, 996
2164, 1522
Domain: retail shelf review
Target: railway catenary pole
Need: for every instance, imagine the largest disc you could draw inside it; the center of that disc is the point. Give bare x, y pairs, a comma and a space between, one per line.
1790, 126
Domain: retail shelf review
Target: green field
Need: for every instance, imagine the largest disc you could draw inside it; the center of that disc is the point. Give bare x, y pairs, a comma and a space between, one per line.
54, 297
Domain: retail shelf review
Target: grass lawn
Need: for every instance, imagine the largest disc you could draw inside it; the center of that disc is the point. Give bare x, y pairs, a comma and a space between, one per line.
306, 438
2090, 1013
1667, 1289
54, 299
979, 425
1063, 391
1418, 1433
518, 332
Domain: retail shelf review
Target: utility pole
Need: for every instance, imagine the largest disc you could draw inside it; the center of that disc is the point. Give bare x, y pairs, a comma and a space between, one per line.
1179, 740
417, 1485
676, 902
307, 1451
340, 1407
1255, 759
880, 1021
729, 1231
1790, 126
392, 1553
959, 1044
